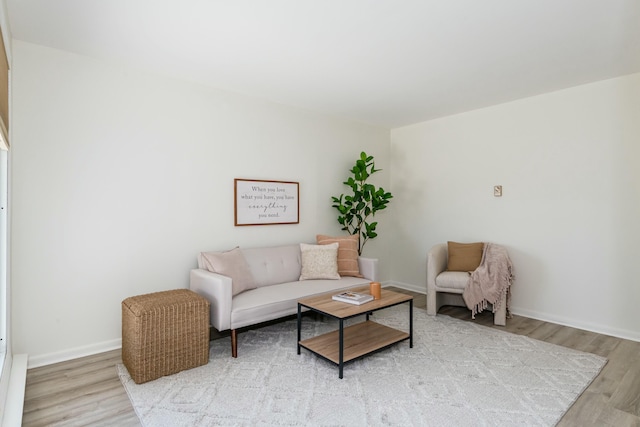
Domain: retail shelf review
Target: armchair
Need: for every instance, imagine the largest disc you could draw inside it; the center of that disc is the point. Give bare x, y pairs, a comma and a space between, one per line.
446, 287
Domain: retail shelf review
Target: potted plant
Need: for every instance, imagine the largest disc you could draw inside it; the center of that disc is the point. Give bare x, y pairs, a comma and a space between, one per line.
356, 209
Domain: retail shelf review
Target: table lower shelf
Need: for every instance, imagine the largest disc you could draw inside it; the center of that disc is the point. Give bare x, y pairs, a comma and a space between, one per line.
359, 339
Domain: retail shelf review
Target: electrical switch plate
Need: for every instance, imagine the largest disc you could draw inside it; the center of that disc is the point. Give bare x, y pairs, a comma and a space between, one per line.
497, 190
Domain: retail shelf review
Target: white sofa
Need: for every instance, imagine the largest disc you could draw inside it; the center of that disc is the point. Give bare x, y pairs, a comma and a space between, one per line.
276, 271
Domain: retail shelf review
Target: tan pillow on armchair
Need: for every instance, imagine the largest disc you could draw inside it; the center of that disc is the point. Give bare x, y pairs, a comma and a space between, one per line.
464, 256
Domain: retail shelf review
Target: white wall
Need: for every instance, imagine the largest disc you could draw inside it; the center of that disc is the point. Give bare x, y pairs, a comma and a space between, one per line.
6, 351
119, 178
569, 164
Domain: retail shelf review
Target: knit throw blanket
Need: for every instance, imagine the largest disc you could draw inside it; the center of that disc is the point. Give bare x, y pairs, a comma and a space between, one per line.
490, 281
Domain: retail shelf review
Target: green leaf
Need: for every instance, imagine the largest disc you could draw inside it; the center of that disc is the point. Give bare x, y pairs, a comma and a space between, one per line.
364, 202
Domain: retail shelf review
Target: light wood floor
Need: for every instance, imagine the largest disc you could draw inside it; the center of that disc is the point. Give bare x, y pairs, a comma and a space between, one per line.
87, 391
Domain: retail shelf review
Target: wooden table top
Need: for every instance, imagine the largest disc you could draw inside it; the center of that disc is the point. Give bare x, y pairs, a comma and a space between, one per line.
341, 310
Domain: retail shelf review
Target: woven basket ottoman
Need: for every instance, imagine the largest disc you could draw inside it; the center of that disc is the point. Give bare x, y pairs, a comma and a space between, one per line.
164, 333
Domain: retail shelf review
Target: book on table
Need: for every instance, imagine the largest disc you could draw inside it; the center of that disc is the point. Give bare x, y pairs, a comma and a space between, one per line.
353, 297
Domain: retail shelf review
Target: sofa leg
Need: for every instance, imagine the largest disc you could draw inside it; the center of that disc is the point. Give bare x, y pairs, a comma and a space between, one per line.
234, 343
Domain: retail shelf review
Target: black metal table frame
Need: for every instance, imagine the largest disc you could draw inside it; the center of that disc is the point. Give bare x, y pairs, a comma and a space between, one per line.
341, 331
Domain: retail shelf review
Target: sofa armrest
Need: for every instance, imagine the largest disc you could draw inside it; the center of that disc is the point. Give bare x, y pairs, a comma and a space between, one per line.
436, 263
368, 268
217, 289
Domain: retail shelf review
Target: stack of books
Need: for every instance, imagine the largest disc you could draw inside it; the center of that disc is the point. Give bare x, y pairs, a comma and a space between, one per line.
353, 297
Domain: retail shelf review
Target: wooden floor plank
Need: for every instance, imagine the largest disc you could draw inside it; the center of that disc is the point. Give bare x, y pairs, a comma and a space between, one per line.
602, 345
626, 397
584, 411
88, 392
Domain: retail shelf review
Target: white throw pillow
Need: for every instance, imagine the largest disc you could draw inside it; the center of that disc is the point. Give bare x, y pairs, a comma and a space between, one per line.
319, 261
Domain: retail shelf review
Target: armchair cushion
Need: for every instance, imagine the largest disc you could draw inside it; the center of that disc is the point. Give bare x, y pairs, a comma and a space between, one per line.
464, 256
452, 280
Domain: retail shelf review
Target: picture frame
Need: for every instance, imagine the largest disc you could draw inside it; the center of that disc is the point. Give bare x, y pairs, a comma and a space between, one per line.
262, 202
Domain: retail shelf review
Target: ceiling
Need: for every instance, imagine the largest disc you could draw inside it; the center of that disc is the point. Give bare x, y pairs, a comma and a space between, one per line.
383, 62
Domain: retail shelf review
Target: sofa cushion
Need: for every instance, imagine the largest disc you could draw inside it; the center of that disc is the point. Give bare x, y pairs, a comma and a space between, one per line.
232, 264
319, 261
273, 265
464, 256
273, 302
347, 253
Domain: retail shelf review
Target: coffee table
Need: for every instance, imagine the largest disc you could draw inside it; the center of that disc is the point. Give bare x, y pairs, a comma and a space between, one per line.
357, 340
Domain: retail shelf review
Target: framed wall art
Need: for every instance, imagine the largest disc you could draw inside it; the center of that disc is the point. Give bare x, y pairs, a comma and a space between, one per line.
259, 202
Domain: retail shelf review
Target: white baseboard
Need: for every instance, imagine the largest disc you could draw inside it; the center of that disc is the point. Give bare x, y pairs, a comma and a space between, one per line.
74, 353
545, 317
408, 286
15, 397
591, 327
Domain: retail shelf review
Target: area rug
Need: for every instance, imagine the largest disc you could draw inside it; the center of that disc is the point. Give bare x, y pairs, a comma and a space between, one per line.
457, 373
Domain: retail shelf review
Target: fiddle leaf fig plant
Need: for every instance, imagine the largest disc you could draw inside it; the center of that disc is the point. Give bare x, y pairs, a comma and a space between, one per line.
355, 210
